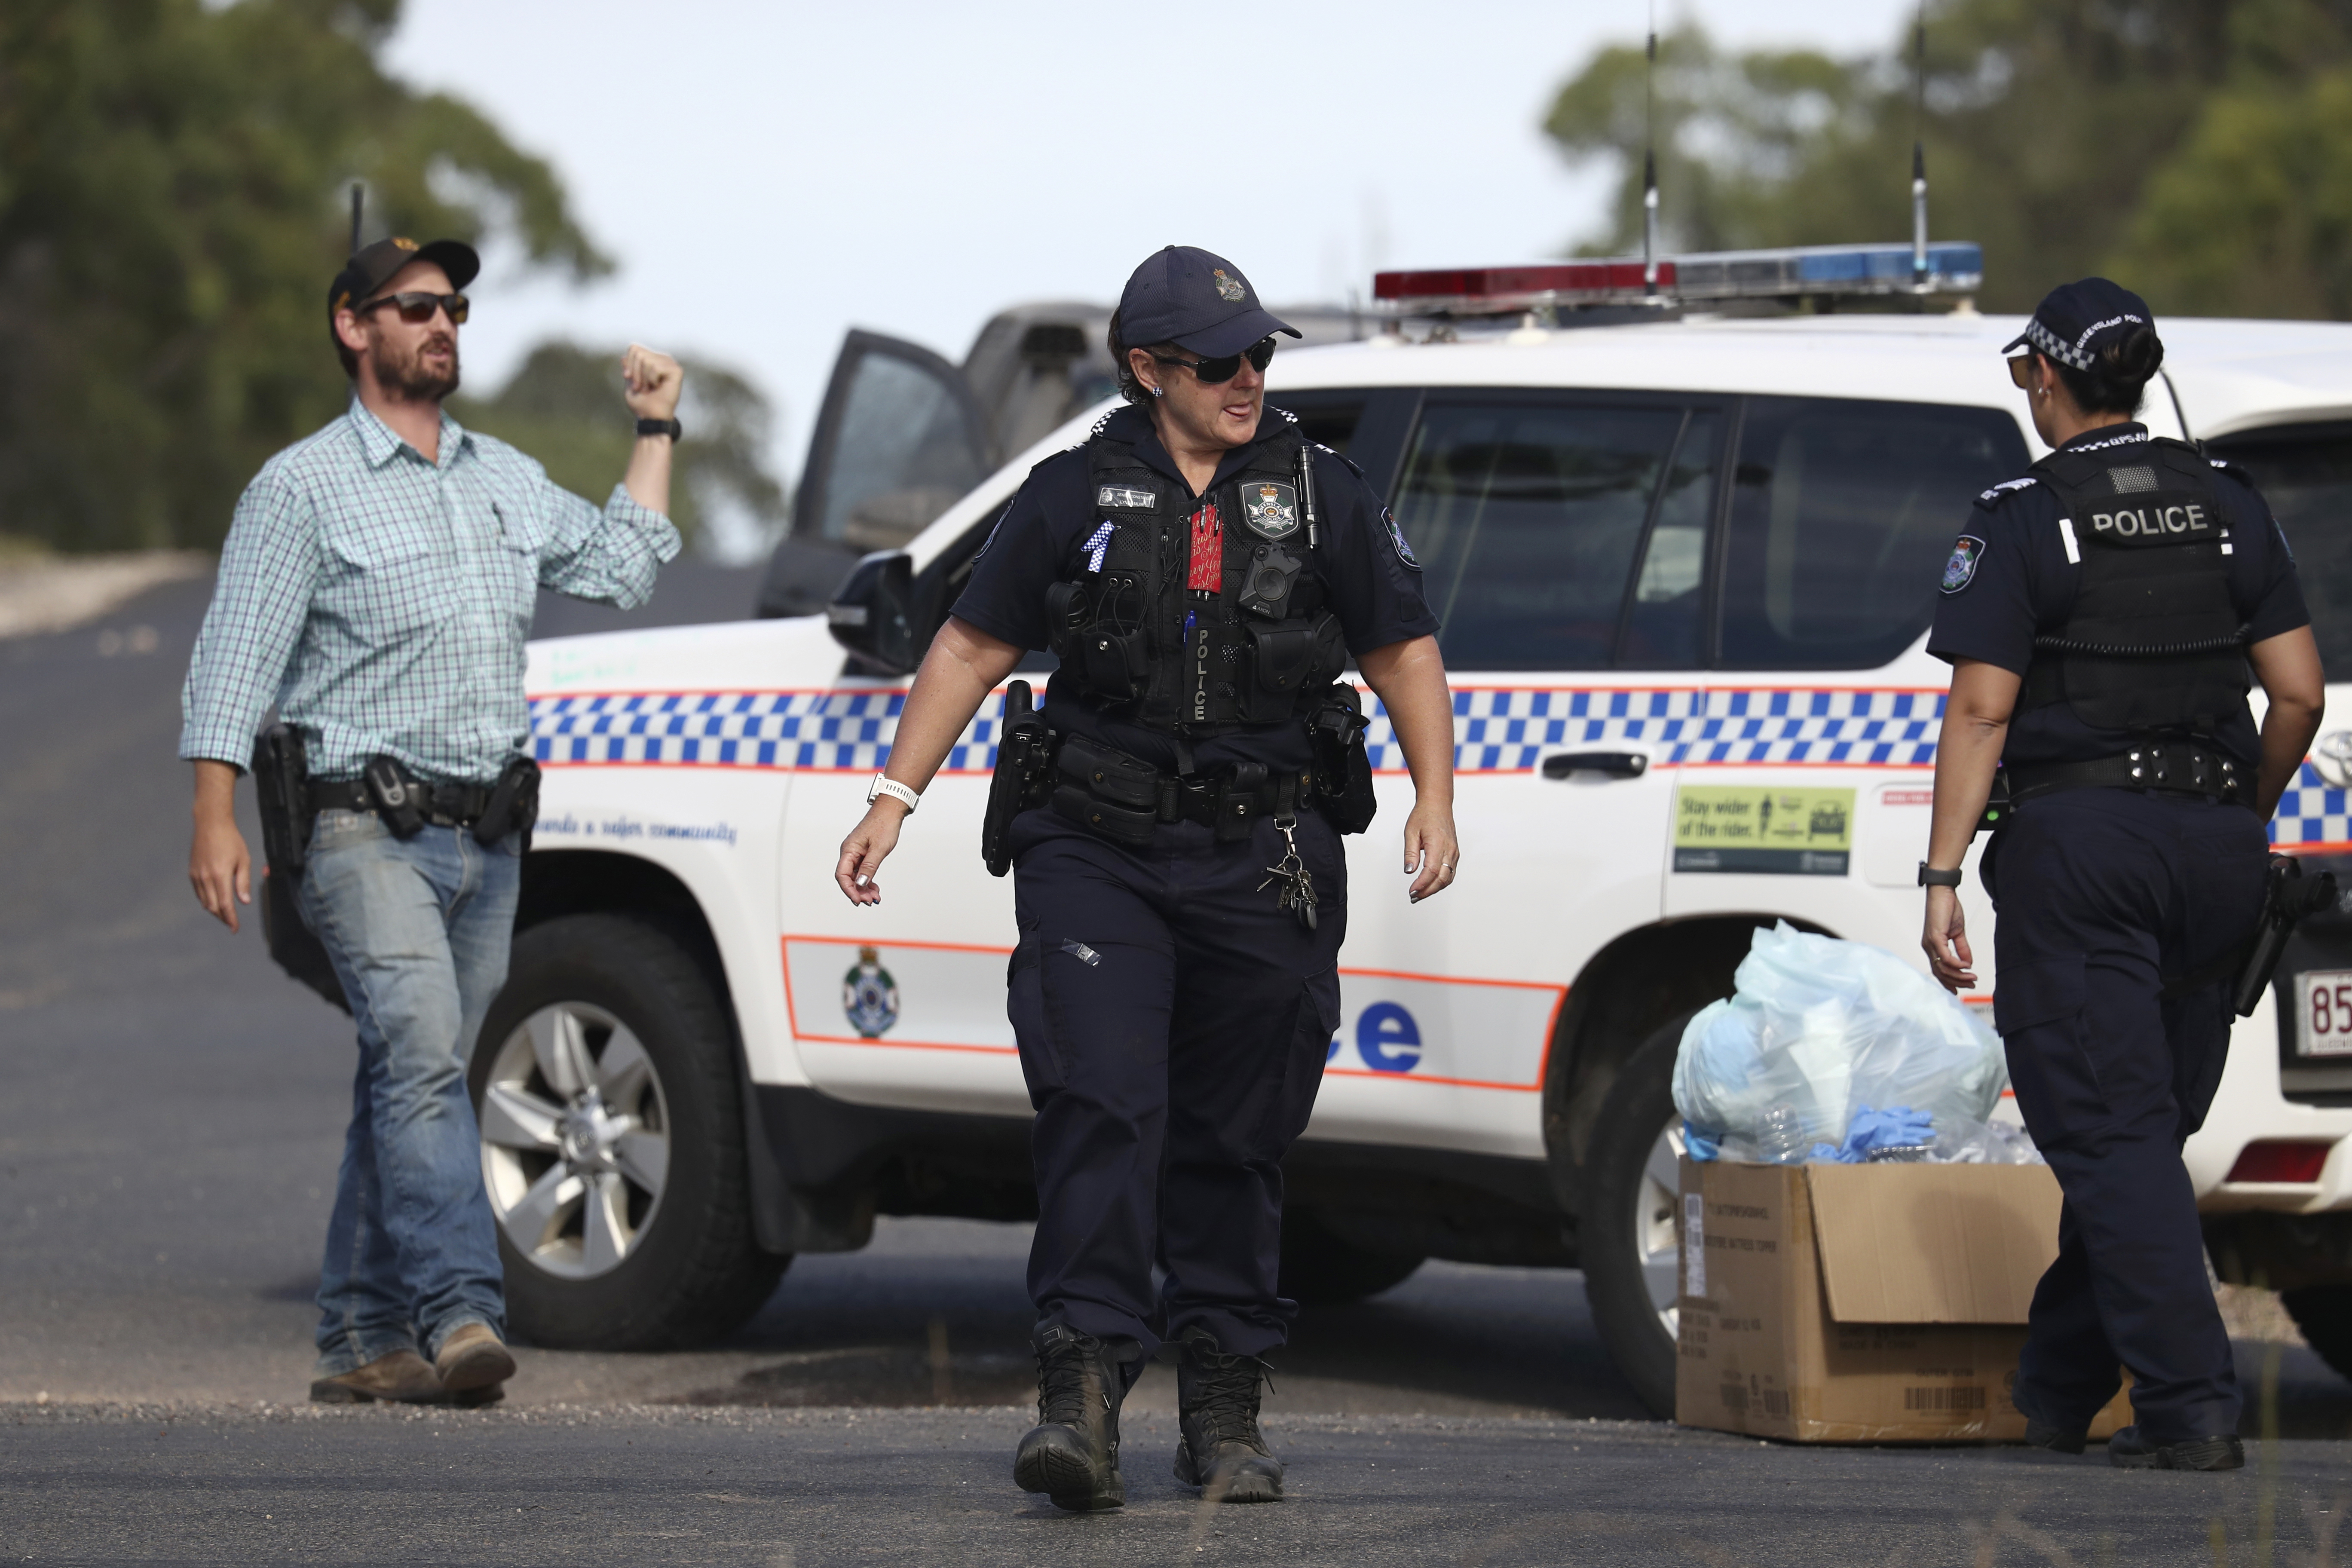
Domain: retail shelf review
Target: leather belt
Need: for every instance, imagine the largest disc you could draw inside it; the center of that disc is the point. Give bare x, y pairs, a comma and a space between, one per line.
444, 806
2167, 767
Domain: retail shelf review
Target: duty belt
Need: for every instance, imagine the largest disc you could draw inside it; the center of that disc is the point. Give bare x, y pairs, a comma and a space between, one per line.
2168, 767
443, 806
1125, 798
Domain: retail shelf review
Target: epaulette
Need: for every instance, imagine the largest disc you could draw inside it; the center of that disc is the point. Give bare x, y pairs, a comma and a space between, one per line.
2002, 491
1351, 462
2234, 471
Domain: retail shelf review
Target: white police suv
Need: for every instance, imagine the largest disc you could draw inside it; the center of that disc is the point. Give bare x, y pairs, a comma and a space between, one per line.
1686, 559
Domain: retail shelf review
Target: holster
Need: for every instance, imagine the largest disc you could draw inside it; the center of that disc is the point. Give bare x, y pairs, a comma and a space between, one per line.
281, 780
513, 805
1343, 769
1019, 782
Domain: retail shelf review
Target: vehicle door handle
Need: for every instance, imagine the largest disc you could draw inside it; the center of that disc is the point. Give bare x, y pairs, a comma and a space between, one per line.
1615, 764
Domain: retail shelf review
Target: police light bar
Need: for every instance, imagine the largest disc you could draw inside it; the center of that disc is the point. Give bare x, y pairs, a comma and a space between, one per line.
1953, 268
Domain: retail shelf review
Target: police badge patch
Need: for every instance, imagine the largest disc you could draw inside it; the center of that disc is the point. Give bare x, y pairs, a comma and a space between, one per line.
869, 996
1229, 289
1270, 510
1960, 570
1396, 540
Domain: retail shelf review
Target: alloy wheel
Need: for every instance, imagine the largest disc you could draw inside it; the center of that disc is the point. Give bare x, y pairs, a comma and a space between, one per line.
575, 1139
1655, 1204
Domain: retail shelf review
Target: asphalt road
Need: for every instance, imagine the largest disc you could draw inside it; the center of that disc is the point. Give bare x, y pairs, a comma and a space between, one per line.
170, 1121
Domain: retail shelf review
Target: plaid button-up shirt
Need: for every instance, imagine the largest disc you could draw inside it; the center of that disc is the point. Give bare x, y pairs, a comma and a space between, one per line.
383, 602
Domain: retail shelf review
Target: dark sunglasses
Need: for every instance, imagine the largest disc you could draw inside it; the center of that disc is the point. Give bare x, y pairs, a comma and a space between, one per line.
417, 307
1211, 371
2020, 371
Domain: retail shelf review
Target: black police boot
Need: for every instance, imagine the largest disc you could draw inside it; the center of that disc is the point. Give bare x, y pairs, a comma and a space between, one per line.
1072, 1453
1219, 1447
2040, 1433
2128, 1450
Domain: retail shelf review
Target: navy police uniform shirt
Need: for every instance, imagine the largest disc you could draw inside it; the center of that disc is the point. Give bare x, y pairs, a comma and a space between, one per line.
1373, 584
2009, 580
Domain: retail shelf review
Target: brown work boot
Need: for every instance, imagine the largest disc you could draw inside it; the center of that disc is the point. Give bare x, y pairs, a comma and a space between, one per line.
474, 1366
402, 1376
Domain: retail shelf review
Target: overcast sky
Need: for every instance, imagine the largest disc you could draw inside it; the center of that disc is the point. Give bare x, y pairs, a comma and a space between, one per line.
768, 174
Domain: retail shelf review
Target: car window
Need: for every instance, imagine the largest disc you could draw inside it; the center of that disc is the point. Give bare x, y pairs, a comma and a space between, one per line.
1328, 420
1842, 512
903, 453
1527, 517
2304, 471
1666, 624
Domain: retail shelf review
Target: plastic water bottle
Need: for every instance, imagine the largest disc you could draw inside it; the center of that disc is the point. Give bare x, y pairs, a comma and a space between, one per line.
1781, 1136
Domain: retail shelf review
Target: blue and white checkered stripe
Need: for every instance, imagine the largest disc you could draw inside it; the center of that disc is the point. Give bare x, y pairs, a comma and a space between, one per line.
2311, 812
801, 730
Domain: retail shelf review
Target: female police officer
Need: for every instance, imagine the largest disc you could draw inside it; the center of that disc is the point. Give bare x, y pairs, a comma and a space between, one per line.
2100, 613
1203, 573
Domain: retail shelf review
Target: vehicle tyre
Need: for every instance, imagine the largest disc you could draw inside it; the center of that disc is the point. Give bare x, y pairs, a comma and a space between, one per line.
2324, 1313
612, 1128
1627, 1232
1322, 1268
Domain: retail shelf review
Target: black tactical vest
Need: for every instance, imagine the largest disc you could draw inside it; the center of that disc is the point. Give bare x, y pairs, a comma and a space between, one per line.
1198, 619
2153, 644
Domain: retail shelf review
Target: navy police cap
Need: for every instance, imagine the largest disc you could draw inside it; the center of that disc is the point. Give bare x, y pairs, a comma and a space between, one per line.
2076, 320
1184, 295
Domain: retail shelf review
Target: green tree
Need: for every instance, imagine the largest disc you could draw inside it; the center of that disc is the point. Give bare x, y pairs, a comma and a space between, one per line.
565, 407
173, 177
2199, 149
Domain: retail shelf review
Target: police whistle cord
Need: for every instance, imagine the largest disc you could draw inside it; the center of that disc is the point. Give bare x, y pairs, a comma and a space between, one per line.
2288, 896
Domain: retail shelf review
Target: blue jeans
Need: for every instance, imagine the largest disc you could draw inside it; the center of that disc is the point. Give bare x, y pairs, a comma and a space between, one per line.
418, 931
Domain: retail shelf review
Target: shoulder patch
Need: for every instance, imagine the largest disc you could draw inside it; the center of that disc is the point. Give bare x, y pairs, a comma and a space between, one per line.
1993, 496
1396, 541
1960, 567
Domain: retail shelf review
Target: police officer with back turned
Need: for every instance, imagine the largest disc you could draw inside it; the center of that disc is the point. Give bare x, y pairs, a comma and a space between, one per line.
1203, 571
2101, 615
376, 586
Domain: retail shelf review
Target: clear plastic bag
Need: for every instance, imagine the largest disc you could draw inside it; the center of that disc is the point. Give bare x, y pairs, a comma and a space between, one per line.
1818, 1028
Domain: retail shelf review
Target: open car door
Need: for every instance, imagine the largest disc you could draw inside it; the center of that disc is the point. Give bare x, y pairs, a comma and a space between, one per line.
899, 440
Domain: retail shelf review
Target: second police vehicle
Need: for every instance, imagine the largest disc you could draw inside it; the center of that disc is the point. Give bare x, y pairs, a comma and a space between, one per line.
1686, 546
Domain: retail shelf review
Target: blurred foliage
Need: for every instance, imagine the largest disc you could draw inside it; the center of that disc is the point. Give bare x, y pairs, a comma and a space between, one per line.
565, 407
2198, 150
174, 199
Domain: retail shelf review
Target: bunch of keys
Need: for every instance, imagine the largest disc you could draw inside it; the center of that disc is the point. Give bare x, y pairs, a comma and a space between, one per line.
1297, 882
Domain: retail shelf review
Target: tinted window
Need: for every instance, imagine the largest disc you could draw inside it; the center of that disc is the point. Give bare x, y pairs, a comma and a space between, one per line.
903, 454
1527, 518
1665, 626
1331, 422
2304, 471
1842, 514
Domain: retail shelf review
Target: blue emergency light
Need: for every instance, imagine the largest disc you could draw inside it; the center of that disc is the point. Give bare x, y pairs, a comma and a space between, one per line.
1797, 272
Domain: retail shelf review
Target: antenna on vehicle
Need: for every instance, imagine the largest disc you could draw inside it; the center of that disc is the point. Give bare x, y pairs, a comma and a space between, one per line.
1919, 155
1650, 161
358, 195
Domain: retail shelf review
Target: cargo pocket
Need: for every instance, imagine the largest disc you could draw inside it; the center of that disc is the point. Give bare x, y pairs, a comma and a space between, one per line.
2037, 1007
1309, 1048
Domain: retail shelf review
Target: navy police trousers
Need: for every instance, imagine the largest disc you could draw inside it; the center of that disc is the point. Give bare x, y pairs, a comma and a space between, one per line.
1173, 1023
2103, 896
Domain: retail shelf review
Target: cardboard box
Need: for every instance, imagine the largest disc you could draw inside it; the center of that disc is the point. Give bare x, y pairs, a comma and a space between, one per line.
1861, 1303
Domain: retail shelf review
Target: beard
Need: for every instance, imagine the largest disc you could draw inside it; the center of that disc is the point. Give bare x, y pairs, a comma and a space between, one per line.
405, 376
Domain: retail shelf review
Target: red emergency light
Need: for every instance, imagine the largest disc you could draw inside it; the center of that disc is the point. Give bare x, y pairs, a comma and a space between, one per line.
2281, 1162
1490, 289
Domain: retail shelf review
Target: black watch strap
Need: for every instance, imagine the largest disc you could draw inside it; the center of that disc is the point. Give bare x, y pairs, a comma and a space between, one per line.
669, 427
1931, 878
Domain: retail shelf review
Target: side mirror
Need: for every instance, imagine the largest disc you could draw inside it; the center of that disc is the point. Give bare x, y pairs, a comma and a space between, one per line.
873, 614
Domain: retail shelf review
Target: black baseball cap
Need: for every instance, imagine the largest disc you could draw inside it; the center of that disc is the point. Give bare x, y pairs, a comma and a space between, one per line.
371, 267
1184, 295
2076, 320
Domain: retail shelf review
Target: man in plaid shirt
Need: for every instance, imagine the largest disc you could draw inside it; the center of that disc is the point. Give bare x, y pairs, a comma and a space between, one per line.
377, 586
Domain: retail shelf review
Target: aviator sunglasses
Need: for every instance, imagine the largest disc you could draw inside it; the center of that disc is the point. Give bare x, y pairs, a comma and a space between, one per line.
1211, 371
416, 307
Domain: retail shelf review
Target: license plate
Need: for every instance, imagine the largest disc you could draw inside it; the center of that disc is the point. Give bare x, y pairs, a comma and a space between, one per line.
2326, 1022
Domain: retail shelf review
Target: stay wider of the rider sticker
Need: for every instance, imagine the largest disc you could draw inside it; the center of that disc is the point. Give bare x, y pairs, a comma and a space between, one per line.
1961, 568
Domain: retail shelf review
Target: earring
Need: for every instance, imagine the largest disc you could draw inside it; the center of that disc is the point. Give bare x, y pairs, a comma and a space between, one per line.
1156, 393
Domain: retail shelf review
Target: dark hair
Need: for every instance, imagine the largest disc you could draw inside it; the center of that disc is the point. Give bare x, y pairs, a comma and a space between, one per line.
1129, 388
2117, 381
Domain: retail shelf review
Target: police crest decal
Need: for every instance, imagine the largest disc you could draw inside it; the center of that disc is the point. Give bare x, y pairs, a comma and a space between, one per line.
1960, 569
1229, 288
1271, 510
869, 996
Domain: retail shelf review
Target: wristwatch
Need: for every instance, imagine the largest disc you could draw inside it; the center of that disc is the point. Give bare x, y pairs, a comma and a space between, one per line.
669, 427
1931, 878
895, 790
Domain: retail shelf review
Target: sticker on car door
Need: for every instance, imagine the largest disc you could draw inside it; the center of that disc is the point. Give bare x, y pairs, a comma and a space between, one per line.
1762, 829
